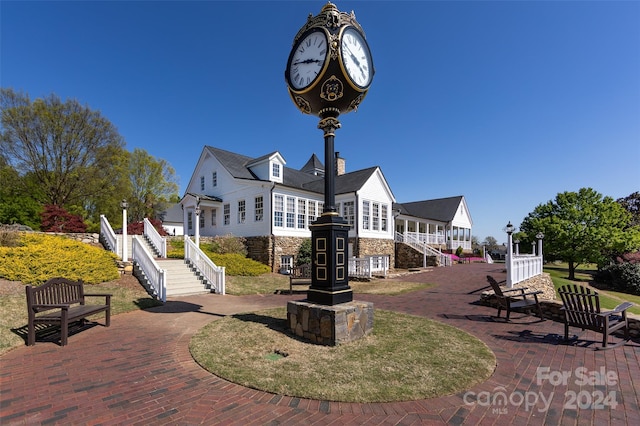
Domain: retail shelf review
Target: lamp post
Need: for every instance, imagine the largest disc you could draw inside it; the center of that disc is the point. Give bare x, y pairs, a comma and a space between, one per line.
540, 236
509, 229
124, 206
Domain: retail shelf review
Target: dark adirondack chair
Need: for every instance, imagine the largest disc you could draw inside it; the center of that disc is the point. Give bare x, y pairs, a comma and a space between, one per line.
515, 298
581, 307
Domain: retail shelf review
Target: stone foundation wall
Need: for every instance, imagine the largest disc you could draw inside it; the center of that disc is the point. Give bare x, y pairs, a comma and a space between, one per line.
259, 249
407, 257
374, 246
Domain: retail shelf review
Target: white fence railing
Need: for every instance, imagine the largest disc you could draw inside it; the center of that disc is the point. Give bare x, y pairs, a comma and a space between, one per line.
156, 277
411, 239
214, 274
107, 234
158, 241
523, 266
365, 267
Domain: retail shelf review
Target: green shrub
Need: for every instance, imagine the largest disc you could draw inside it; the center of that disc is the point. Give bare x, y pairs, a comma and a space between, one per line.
304, 253
41, 257
237, 264
624, 277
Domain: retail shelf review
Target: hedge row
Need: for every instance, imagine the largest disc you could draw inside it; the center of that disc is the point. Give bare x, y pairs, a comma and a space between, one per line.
624, 277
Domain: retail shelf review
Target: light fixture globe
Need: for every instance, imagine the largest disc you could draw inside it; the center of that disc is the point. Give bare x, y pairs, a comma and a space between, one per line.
330, 68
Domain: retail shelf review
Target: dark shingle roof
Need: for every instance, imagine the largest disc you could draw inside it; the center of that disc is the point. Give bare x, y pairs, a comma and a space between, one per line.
441, 209
236, 165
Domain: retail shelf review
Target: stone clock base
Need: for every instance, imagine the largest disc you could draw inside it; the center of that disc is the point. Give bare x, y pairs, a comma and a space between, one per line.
330, 325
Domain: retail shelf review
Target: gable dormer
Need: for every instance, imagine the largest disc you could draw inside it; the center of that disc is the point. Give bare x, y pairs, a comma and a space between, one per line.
268, 167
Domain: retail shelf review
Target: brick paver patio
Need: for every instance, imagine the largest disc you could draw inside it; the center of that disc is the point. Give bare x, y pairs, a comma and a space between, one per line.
139, 371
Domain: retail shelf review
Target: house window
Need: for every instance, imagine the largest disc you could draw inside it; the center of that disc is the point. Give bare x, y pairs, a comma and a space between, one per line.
291, 212
384, 218
214, 217
189, 221
312, 212
226, 213
201, 219
214, 179
286, 263
365, 215
259, 208
348, 213
376, 216
242, 211
201, 183
275, 170
278, 210
302, 212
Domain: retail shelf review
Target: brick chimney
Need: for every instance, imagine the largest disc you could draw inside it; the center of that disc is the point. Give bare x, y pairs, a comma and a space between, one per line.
340, 165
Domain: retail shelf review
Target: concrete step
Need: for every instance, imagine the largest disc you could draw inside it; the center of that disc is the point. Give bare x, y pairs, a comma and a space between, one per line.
181, 279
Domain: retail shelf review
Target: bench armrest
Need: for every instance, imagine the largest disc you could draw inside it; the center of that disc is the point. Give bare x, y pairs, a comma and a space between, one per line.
108, 296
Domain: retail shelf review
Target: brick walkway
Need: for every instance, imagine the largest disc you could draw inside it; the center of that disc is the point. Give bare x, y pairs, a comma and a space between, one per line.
139, 371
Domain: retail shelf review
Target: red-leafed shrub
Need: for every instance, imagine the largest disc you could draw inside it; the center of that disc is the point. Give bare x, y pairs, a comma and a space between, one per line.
57, 219
137, 228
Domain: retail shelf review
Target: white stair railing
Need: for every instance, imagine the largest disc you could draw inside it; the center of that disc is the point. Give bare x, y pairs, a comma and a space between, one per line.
425, 249
156, 240
156, 276
196, 257
106, 233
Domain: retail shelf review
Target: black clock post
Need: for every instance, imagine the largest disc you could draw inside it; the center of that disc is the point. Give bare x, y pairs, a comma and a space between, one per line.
329, 72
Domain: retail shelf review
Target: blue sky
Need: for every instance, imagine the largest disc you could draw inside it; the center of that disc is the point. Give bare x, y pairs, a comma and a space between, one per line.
505, 102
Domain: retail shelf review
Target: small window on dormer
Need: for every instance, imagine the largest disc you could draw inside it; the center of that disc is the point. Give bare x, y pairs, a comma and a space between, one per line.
275, 170
214, 179
201, 183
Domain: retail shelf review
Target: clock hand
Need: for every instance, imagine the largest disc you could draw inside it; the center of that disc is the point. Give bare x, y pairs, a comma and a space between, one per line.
354, 59
307, 61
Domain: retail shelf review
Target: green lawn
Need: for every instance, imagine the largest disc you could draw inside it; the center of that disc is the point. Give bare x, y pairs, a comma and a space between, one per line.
584, 276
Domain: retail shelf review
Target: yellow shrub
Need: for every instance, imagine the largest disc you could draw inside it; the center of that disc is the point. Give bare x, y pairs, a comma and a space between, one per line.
41, 257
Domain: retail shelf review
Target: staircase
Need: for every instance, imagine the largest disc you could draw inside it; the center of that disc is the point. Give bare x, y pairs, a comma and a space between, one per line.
182, 279
145, 242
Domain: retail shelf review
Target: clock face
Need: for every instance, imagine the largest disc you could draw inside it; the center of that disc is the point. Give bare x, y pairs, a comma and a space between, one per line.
307, 60
356, 58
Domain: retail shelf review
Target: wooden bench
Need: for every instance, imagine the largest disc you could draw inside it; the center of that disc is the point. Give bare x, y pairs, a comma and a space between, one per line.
300, 275
514, 298
61, 301
581, 307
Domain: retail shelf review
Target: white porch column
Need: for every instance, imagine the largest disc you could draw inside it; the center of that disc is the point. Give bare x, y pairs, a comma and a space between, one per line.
197, 225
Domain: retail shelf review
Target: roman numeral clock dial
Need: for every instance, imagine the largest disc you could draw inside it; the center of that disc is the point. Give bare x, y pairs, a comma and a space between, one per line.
356, 58
307, 60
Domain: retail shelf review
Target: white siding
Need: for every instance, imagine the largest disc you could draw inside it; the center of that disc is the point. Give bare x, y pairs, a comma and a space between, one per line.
376, 192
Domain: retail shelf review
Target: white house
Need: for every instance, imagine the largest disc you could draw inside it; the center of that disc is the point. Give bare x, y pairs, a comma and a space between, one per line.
444, 223
272, 205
